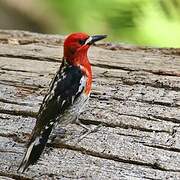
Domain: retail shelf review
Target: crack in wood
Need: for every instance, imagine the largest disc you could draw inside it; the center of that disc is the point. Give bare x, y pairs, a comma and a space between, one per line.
120, 125
156, 72
36, 58
174, 120
155, 85
15, 102
17, 70
23, 113
128, 47
167, 148
155, 165
15, 137
20, 85
166, 104
14, 176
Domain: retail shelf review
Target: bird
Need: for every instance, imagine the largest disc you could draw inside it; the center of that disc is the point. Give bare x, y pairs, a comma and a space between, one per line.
67, 96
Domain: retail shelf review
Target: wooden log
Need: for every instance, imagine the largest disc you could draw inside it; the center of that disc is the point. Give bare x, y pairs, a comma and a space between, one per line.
136, 96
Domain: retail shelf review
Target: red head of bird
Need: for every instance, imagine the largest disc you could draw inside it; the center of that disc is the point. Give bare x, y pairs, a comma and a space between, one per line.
76, 46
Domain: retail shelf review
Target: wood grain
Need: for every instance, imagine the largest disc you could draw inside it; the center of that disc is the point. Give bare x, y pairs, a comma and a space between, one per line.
136, 98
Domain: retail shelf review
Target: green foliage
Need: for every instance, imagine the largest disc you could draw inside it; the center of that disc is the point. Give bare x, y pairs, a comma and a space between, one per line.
146, 22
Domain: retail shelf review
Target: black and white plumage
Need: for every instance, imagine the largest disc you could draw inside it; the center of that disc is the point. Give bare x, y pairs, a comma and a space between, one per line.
63, 104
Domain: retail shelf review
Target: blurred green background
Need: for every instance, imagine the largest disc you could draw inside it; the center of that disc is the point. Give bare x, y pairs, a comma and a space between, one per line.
143, 22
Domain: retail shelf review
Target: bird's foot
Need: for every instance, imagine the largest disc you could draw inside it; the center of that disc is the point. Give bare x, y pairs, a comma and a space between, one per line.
58, 133
85, 127
88, 131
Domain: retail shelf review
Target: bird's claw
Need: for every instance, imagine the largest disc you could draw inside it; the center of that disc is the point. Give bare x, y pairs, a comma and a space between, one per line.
86, 132
58, 134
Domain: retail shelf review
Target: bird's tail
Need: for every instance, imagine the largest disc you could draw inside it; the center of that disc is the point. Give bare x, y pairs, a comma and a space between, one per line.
35, 149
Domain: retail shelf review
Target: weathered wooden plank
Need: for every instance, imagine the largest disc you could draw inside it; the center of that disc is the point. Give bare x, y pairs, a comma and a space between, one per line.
40, 77
135, 96
110, 108
93, 167
71, 161
136, 140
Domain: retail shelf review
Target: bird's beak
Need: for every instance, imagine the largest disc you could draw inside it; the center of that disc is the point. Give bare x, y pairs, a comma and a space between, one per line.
93, 39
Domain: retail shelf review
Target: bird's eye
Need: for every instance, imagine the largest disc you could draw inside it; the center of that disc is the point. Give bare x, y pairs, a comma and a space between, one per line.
82, 41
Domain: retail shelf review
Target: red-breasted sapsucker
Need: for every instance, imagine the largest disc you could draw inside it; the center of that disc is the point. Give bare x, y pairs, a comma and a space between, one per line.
68, 94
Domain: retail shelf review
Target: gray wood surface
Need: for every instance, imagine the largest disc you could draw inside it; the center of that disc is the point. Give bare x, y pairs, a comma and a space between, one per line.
136, 95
